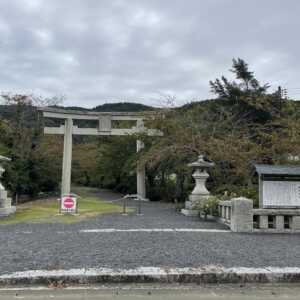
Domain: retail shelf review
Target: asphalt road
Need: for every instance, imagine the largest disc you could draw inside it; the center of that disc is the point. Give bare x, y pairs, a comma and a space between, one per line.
251, 292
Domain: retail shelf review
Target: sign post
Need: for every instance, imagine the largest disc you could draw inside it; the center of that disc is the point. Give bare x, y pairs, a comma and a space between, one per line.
68, 204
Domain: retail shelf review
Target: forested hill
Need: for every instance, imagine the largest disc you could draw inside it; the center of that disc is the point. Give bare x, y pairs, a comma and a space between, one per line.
114, 107
7, 112
123, 107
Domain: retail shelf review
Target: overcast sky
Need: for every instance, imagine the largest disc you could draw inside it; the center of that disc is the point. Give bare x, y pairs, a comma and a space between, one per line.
97, 51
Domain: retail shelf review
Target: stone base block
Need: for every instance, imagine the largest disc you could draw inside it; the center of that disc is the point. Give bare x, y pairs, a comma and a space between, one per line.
190, 212
195, 203
279, 223
198, 197
3, 194
6, 203
4, 212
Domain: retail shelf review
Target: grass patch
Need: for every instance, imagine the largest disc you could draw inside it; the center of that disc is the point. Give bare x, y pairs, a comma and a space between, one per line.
47, 210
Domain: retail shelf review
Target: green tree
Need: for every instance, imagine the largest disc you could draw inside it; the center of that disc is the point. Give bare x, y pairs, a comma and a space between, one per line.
24, 173
247, 98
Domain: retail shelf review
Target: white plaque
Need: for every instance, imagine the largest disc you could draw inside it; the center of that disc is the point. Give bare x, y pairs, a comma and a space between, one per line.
281, 194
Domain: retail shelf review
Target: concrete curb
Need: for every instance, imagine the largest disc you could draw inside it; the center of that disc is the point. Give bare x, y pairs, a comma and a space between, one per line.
203, 275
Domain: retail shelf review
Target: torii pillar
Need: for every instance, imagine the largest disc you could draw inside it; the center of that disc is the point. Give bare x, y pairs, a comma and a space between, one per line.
140, 171
67, 157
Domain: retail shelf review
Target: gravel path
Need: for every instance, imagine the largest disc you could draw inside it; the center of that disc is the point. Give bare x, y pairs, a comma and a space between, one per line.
57, 246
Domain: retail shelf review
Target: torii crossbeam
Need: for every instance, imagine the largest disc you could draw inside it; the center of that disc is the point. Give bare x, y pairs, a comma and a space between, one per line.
105, 127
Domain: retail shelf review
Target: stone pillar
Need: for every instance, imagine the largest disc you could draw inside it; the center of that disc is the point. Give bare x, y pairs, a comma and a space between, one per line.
279, 223
67, 158
228, 213
263, 222
241, 215
296, 223
223, 210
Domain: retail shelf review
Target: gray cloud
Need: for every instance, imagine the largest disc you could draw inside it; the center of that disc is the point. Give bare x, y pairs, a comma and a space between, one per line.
139, 50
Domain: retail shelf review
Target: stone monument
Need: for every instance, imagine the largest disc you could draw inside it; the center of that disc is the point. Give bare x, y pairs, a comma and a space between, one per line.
5, 203
200, 192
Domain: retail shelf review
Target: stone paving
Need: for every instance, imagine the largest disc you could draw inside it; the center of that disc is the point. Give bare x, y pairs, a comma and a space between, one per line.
57, 246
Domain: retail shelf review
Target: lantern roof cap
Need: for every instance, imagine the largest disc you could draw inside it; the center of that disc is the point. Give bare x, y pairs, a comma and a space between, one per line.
4, 158
201, 163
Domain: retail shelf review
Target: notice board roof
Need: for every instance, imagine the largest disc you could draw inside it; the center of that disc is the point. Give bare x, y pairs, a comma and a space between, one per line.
277, 169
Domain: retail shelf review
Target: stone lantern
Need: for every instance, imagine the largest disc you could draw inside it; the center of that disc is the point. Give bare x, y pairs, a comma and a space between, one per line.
5, 202
200, 192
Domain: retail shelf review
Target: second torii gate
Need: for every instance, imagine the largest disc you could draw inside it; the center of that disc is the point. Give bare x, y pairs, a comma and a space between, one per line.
105, 127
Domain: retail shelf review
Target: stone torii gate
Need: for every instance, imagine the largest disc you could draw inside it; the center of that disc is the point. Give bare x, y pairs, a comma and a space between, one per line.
104, 120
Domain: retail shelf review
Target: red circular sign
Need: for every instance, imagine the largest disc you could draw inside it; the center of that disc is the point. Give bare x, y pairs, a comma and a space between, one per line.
69, 202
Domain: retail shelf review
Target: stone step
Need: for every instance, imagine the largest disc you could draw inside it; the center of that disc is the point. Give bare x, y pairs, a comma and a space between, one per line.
5, 203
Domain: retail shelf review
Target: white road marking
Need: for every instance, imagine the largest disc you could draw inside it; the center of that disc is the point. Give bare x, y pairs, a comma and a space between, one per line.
147, 230
112, 230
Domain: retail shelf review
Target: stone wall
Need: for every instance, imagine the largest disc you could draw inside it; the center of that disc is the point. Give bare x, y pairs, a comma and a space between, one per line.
239, 215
